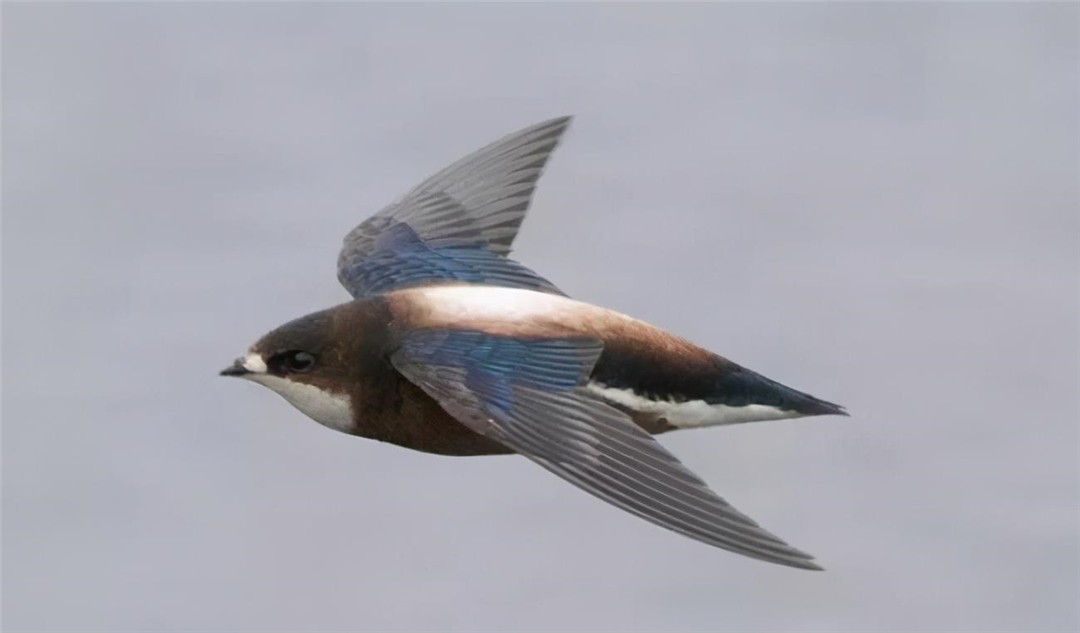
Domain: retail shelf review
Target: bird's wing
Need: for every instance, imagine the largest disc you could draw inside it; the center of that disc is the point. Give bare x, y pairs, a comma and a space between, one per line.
528, 395
456, 226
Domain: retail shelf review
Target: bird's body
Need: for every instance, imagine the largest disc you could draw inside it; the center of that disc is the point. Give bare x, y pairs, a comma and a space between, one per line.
662, 381
449, 347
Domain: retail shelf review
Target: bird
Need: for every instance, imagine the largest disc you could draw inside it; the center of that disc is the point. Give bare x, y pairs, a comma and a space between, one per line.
449, 346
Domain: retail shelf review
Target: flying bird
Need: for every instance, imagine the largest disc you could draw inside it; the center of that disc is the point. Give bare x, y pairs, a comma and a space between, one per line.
450, 347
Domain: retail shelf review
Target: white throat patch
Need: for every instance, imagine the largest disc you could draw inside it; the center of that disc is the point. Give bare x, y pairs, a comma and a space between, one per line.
329, 409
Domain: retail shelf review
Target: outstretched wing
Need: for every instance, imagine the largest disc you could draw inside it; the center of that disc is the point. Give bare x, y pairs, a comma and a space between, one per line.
456, 226
528, 395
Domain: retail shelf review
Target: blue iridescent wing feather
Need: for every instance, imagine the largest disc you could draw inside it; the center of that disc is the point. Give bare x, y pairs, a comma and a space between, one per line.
401, 259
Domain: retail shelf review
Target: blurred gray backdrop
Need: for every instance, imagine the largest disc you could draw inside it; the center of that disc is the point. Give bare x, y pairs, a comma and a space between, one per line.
877, 204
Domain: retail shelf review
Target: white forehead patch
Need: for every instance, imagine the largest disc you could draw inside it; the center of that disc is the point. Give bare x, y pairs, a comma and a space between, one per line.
254, 363
329, 409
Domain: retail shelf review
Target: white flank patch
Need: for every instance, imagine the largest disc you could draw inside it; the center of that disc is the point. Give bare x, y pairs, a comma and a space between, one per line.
329, 409
692, 413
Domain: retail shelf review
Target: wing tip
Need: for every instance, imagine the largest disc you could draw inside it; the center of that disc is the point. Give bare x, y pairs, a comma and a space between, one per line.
554, 126
801, 560
793, 558
782, 554
563, 120
808, 565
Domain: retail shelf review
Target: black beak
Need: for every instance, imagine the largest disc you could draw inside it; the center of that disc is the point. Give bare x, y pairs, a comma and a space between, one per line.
236, 369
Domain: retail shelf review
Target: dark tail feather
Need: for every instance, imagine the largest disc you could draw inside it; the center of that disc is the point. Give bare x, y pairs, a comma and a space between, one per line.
744, 387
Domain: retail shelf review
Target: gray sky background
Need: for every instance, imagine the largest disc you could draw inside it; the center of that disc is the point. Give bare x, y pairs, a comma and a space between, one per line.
877, 204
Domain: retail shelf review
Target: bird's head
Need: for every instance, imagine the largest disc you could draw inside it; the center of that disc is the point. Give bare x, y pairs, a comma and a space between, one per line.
306, 362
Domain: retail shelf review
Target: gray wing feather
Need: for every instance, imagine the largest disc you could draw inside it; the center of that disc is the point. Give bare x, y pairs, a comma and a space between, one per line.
479, 200
602, 451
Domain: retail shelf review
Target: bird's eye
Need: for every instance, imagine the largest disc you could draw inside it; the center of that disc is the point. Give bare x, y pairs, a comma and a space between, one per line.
299, 361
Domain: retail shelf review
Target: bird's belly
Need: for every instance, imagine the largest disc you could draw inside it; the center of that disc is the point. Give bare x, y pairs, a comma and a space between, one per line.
405, 415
